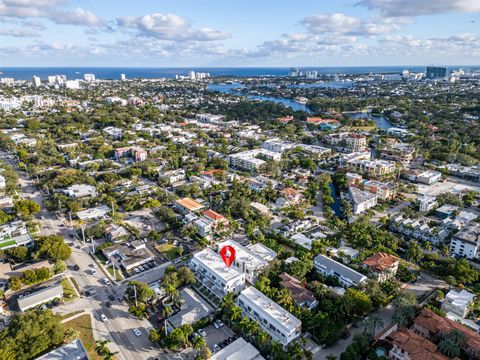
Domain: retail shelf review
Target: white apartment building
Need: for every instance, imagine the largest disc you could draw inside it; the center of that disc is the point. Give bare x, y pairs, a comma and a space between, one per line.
372, 167
247, 160
89, 77
427, 203
10, 104
57, 79
458, 302
275, 320
7, 80
329, 267
173, 176
362, 200
277, 145
429, 177
346, 142
246, 261
36, 81
80, 190
72, 84
418, 230
214, 276
465, 242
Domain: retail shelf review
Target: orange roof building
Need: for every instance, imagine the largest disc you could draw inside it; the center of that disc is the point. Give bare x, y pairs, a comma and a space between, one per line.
319, 120
301, 295
384, 265
285, 119
214, 216
408, 345
187, 205
435, 327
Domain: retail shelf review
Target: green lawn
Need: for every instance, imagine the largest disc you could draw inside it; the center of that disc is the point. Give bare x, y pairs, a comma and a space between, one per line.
83, 325
118, 274
69, 315
7, 242
69, 293
170, 251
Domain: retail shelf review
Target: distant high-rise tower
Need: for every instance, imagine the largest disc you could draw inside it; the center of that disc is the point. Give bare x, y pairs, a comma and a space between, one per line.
89, 77
294, 72
36, 82
123, 77
437, 72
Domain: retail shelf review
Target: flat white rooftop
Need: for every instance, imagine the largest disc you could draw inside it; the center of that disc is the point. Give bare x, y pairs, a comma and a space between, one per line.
262, 251
268, 308
243, 255
240, 349
213, 261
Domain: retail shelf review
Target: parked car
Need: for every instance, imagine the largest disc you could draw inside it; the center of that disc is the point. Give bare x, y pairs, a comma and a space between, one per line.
137, 271
202, 332
137, 332
108, 304
219, 323
216, 325
103, 317
141, 268
111, 297
216, 348
106, 281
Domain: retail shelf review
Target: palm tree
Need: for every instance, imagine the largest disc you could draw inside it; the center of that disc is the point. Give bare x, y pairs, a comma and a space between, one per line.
166, 312
102, 347
253, 328
198, 342
371, 323
452, 344
244, 324
262, 338
236, 313
110, 355
284, 298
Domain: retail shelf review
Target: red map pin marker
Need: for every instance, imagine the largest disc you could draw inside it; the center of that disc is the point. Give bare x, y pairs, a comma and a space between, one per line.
228, 255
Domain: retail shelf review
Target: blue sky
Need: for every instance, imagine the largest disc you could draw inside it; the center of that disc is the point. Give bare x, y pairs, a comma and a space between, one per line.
239, 33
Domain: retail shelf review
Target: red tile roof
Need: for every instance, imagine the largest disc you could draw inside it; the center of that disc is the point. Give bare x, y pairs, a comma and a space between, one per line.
299, 293
438, 324
213, 215
319, 120
381, 261
289, 192
189, 204
417, 347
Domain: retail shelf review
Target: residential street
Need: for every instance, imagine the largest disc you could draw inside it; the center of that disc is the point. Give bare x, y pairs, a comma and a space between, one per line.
425, 285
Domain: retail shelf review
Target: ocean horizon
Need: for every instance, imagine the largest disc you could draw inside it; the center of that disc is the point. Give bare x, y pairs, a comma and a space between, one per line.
105, 73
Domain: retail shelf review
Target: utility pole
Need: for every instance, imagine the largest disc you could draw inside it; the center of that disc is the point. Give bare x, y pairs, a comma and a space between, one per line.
114, 272
83, 234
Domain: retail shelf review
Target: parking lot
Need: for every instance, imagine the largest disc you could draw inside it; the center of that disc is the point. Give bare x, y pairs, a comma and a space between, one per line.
218, 336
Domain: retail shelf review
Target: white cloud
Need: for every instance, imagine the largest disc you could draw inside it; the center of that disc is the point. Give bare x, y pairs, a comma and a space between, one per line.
78, 16
338, 23
48, 9
421, 7
16, 32
170, 27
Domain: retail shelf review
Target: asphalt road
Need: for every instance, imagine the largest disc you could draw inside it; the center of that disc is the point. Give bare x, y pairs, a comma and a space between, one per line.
120, 323
424, 285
